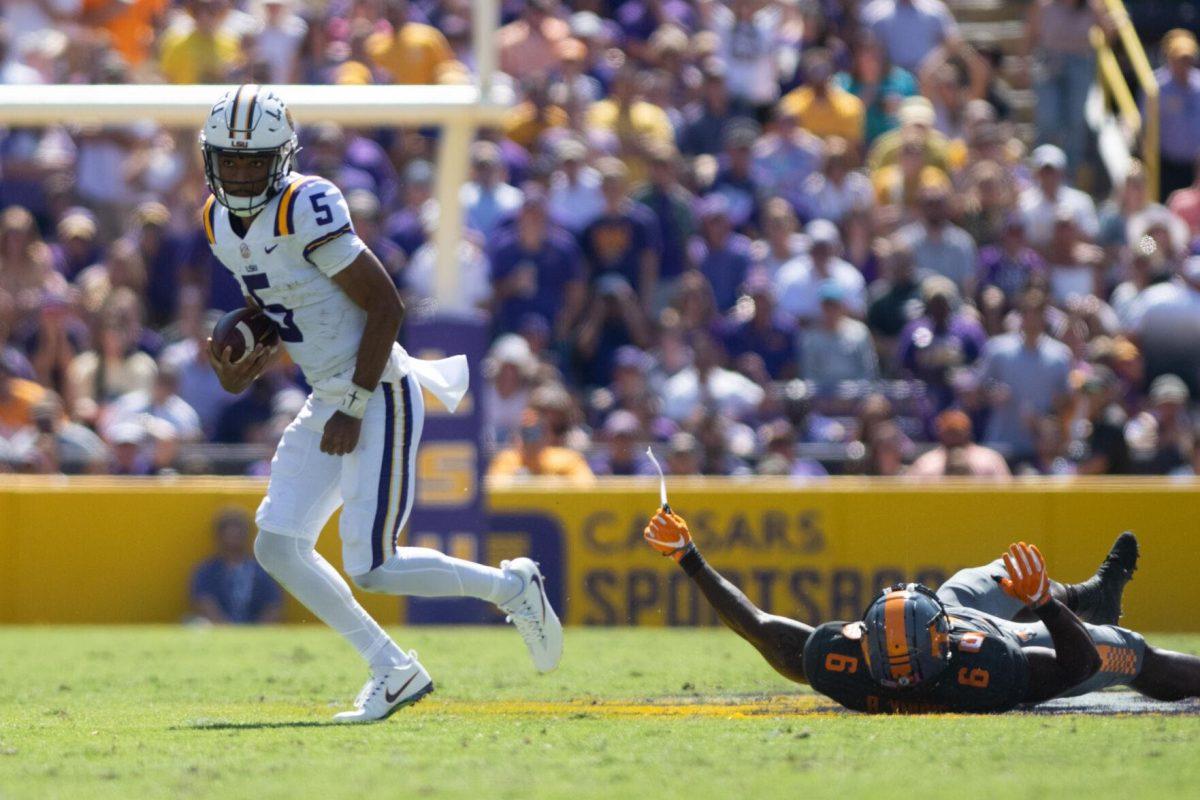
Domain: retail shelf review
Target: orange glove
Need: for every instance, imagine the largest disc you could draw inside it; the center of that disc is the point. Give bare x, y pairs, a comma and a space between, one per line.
668, 534
1027, 580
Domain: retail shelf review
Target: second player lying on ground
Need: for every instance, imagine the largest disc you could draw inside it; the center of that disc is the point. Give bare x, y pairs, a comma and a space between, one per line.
990, 639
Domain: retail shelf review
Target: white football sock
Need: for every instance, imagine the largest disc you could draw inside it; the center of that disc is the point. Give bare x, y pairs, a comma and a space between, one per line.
422, 572
311, 580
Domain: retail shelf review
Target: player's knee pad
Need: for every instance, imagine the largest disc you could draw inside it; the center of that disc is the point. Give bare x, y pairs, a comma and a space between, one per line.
276, 553
367, 581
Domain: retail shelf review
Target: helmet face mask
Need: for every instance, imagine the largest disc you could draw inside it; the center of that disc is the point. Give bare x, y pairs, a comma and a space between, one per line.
248, 125
906, 637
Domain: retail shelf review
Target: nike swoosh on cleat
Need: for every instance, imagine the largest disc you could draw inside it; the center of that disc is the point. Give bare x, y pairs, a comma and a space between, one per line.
271, 249
541, 593
391, 698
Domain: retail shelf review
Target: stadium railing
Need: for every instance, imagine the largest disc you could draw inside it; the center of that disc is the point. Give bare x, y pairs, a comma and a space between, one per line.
1135, 124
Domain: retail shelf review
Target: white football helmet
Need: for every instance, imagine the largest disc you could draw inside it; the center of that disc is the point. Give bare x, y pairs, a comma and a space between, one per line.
249, 119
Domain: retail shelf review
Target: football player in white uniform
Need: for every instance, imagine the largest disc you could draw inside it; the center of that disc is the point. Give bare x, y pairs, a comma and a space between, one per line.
288, 240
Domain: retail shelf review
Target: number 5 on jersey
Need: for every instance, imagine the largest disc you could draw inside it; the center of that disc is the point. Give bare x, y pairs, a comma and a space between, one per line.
279, 314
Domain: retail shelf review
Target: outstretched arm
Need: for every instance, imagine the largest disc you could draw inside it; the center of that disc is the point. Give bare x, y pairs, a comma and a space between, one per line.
1074, 658
780, 640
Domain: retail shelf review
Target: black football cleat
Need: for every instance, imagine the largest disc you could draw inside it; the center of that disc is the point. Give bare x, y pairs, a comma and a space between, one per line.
1098, 599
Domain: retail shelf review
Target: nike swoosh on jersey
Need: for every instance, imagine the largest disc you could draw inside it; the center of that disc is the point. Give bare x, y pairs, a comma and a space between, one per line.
391, 698
270, 249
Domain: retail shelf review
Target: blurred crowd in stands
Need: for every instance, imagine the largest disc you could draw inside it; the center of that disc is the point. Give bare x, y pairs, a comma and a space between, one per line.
774, 237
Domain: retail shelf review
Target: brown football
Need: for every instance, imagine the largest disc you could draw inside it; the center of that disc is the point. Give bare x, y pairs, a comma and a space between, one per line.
240, 330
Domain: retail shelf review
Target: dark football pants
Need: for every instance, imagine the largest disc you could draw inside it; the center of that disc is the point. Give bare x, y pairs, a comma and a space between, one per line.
1121, 650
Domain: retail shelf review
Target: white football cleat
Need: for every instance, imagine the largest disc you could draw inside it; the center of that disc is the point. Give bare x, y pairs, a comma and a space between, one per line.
533, 615
389, 691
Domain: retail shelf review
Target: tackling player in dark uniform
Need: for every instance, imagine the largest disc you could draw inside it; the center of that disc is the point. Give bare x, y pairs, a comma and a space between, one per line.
962, 648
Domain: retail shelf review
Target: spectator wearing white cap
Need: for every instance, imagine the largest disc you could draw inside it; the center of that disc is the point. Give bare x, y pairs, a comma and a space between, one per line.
129, 456
798, 281
1040, 203
508, 369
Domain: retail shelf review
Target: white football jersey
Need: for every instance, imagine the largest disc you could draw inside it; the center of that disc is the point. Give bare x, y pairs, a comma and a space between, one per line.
286, 263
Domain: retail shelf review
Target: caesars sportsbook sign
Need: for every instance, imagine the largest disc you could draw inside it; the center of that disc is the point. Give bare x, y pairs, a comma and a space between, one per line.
777, 548
822, 551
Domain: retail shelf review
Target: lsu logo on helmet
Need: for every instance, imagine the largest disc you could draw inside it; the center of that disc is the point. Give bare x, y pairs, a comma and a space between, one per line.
249, 119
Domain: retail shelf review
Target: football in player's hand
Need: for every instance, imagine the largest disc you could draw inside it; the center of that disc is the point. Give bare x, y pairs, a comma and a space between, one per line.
240, 330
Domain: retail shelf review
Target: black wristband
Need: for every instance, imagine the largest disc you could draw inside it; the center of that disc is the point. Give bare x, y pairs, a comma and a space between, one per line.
1049, 610
691, 560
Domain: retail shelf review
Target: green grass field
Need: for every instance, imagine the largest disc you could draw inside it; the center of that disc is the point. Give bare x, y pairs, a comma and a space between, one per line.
181, 713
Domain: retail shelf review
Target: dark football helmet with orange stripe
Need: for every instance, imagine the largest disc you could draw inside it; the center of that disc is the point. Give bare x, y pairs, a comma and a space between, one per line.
906, 636
250, 121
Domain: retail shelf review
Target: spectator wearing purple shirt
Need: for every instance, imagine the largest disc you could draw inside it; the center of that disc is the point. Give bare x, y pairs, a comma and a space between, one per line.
537, 269
706, 119
720, 254
941, 341
77, 246
1179, 113
909, 29
367, 218
1010, 264
624, 239
735, 174
622, 431
161, 251
672, 206
786, 157
764, 331
328, 155
404, 227
639, 19
611, 321
13, 360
